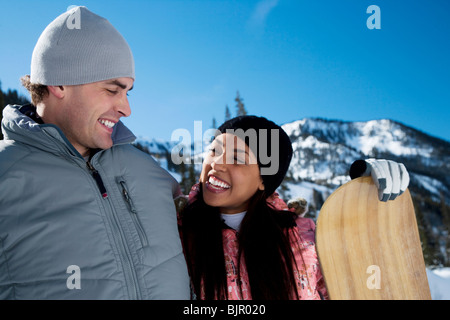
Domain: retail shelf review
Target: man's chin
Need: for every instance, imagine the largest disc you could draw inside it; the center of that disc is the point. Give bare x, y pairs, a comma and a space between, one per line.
104, 145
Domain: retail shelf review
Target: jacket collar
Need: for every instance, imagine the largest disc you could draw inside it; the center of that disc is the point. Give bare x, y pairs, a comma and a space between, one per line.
21, 123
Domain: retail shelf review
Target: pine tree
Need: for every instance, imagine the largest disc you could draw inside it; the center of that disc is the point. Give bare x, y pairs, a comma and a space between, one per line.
2, 100
445, 212
12, 97
192, 177
430, 245
188, 176
2, 105
240, 108
227, 113
182, 171
170, 165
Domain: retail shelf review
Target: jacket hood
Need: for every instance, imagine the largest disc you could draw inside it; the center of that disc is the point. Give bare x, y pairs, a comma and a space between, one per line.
18, 126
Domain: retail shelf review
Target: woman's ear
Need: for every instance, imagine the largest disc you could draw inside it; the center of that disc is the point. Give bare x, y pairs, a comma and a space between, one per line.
57, 91
261, 185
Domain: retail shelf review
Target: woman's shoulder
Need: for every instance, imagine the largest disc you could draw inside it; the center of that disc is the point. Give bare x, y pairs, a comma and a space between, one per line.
306, 229
305, 224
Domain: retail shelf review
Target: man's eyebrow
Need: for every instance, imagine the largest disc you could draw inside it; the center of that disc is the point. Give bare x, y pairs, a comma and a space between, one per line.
119, 84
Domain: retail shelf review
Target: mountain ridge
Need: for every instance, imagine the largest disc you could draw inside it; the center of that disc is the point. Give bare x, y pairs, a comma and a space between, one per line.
324, 150
319, 143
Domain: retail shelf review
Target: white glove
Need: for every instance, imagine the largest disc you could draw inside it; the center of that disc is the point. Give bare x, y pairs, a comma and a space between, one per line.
391, 178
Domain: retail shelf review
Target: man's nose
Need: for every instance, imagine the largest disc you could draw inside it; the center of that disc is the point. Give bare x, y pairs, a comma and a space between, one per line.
123, 105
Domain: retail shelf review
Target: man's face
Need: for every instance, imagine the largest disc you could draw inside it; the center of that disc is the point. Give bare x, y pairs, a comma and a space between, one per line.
89, 112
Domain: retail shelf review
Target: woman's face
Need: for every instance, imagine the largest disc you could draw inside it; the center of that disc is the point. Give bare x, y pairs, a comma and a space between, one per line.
230, 174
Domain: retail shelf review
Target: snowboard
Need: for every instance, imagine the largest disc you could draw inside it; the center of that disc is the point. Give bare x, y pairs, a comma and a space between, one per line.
368, 249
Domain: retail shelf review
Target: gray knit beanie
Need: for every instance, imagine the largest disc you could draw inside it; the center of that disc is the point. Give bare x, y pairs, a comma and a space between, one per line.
80, 47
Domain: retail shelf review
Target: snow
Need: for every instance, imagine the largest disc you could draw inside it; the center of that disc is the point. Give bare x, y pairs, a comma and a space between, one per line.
432, 185
381, 135
305, 189
439, 282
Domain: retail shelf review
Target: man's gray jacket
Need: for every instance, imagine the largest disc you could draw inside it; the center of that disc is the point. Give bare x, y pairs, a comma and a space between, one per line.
105, 228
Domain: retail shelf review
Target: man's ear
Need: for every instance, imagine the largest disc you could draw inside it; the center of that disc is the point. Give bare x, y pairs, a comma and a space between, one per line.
57, 91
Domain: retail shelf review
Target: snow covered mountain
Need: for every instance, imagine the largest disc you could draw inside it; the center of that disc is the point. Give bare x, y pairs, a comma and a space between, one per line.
325, 149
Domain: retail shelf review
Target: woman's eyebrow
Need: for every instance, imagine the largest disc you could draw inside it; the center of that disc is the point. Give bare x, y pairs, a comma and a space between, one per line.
240, 151
235, 149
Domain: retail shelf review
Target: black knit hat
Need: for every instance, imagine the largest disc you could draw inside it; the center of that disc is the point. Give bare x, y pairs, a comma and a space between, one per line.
273, 167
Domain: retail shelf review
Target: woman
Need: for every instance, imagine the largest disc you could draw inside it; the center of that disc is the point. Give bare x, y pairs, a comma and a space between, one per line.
238, 245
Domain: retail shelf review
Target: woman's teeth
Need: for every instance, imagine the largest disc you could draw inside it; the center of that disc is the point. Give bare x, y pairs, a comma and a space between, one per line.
218, 183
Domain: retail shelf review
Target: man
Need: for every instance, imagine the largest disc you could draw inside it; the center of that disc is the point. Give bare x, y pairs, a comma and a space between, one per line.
83, 213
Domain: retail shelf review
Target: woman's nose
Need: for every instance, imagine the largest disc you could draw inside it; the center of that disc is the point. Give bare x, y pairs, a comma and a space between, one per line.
218, 163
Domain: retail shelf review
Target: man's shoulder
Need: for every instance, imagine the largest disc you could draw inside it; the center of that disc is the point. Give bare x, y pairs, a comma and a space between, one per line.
131, 152
130, 160
136, 158
11, 153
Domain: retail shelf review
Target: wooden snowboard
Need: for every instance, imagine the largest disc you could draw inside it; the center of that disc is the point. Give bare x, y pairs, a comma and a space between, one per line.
368, 249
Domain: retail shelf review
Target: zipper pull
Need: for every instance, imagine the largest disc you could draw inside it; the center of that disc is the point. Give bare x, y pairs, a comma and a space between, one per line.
98, 180
127, 197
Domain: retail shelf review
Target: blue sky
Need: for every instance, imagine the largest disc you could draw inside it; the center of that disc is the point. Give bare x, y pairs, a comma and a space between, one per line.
289, 59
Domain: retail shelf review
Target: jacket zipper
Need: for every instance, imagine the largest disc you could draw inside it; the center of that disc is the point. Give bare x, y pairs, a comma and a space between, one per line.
124, 251
98, 180
134, 214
